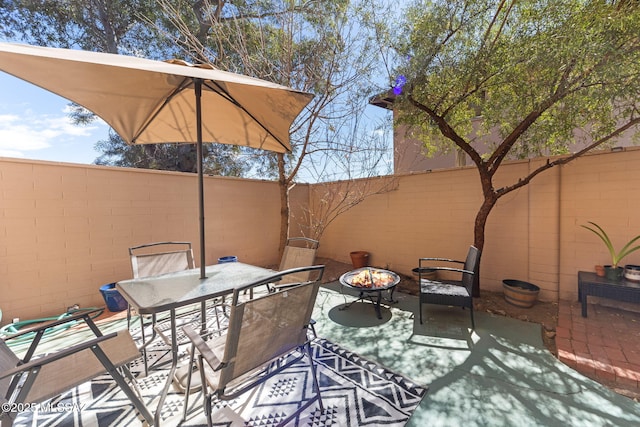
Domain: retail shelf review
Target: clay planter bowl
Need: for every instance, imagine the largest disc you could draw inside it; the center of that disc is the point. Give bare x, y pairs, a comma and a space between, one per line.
632, 272
427, 273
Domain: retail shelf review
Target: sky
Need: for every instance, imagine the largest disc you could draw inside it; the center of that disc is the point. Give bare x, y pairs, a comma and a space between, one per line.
34, 124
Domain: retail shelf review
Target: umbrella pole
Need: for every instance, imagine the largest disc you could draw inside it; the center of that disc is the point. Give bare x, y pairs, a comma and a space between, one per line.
198, 90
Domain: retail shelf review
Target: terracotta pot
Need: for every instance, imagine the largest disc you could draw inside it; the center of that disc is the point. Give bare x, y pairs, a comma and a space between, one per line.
359, 259
600, 270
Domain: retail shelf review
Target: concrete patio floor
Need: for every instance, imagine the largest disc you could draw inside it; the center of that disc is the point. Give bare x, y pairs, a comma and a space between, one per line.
498, 375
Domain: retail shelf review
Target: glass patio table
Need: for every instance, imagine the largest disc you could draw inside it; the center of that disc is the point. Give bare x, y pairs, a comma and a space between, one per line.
169, 292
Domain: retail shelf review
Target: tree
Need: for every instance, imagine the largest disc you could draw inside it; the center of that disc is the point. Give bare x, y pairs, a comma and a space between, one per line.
135, 27
113, 26
343, 190
547, 76
318, 47
217, 159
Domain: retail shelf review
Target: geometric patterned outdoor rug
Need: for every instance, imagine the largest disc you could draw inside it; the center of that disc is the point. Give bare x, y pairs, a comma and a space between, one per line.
355, 392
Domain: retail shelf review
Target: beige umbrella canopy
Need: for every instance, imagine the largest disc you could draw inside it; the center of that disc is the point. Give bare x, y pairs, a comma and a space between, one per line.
148, 102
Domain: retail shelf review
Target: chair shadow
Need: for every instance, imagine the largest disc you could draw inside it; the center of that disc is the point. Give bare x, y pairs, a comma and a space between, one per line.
361, 314
445, 328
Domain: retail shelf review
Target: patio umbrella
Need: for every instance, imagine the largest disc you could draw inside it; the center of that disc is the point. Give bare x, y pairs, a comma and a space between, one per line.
149, 102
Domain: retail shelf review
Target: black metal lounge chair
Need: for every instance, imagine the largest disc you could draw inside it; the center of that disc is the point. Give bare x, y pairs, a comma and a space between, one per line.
448, 292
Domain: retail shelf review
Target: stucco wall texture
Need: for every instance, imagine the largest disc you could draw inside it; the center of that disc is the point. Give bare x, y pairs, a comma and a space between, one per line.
65, 229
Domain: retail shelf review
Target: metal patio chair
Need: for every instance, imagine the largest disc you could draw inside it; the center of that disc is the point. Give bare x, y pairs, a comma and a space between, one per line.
457, 293
266, 335
38, 377
298, 252
153, 259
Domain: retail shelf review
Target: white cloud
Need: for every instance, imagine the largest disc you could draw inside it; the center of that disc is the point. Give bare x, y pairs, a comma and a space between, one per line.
35, 124
10, 153
30, 132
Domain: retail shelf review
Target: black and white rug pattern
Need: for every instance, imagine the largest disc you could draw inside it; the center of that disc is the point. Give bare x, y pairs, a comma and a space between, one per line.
355, 392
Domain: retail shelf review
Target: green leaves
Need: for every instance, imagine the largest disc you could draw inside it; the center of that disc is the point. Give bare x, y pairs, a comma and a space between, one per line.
616, 257
565, 63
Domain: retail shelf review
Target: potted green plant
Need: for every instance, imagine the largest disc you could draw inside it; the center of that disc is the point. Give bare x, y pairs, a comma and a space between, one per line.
613, 271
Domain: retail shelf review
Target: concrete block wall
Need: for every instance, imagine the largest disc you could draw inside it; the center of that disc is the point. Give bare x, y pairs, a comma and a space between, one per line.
602, 189
532, 234
65, 229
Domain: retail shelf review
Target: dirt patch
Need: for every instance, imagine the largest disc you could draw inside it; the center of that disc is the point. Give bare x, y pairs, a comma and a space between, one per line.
543, 313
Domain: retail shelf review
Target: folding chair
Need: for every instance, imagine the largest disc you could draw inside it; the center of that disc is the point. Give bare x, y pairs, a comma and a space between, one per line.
36, 379
299, 252
158, 258
266, 335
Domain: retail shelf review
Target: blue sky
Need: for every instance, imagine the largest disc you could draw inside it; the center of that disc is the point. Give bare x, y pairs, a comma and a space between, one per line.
34, 125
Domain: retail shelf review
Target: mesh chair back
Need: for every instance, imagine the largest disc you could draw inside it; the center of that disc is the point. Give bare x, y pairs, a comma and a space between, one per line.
265, 328
80, 367
299, 252
159, 258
